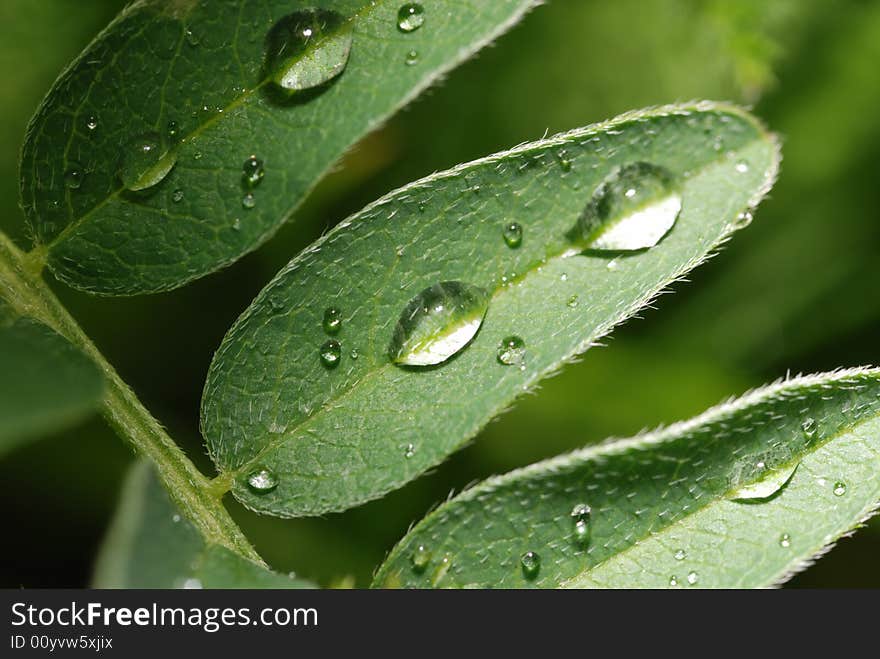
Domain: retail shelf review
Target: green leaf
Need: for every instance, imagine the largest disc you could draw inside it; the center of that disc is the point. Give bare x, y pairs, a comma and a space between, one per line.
200, 64
151, 545
669, 507
338, 437
47, 383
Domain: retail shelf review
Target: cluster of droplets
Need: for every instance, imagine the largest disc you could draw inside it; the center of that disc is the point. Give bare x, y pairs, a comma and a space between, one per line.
331, 349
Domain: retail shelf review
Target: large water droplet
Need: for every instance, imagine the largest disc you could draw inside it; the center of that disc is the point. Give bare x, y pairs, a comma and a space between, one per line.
262, 481
145, 162
420, 558
771, 483
580, 515
307, 48
331, 353
680, 555
332, 322
839, 489
252, 172
437, 323
531, 564
513, 234
511, 351
632, 209
410, 17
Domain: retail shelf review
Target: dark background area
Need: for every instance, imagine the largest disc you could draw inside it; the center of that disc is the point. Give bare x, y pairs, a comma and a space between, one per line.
794, 292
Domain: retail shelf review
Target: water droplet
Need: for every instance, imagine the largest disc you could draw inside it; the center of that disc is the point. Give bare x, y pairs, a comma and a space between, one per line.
563, 277
177, 196
785, 541
441, 570
248, 201
332, 322
572, 302
673, 581
513, 234
743, 220
191, 38
331, 353
172, 129
92, 122
412, 58
410, 17
145, 162
632, 209
354, 353
809, 427
839, 489
693, 578
511, 351
409, 451
175, 518
308, 48
531, 564
770, 482
73, 176
437, 323
581, 515
742, 167
420, 559
564, 162
236, 224
192, 584
252, 172
262, 480
680, 555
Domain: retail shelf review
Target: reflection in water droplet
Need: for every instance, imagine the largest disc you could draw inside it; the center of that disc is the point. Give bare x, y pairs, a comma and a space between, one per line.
839, 489
693, 578
531, 564
513, 234
769, 484
680, 555
410, 17
248, 201
632, 209
785, 541
412, 58
420, 558
331, 353
262, 481
809, 427
92, 122
332, 322
145, 162
73, 176
308, 48
252, 172
511, 351
437, 323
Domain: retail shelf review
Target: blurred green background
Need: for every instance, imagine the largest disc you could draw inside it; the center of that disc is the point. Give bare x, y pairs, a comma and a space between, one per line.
794, 292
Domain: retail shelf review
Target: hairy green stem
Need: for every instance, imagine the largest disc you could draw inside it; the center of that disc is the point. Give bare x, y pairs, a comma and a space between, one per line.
23, 287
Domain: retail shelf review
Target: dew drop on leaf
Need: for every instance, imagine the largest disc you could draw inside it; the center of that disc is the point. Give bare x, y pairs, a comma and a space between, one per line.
145, 162
420, 558
409, 451
511, 351
680, 555
92, 122
632, 209
767, 485
531, 564
437, 323
809, 427
331, 353
693, 578
248, 201
673, 581
73, 176
581, 515
742, 220
785, 541
177, 196
412, 58
192, 584
513, 234
172, 130
441, 570
262, 481
252, 172
410, 17
572, 302
839, 489
742, 167
307, 48
332, 322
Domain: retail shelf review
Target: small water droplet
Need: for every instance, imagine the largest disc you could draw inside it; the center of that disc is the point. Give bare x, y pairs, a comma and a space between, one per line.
743, 220
563, 277
564, 162
572, 302
410, 17
252, 172
742, 167
420, 558
332, 322
839, 489
192, 584
92, 122
531, 564
809, 427
262, 481
632, 209
308, 48
172, 130
236, 224
145, 162
513, 234
785, 541
409, 451
197, 155
441, 570
581, 515
673, 581
693, 578
177, 196
680, 555
437, 323
175, 518
73, 176
763, 483
412, 58
191, 37
511, 351
248, 201
331, 353
354, 353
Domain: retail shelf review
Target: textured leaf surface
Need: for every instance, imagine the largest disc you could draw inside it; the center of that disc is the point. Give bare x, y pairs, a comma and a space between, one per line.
338, 437
663, 512
200, 64
150, 545
46, 382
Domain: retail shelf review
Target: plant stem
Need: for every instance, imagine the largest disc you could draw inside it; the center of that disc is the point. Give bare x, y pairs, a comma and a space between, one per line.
22, 287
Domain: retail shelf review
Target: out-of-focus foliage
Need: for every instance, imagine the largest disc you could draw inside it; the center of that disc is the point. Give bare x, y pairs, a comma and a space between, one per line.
793, 291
